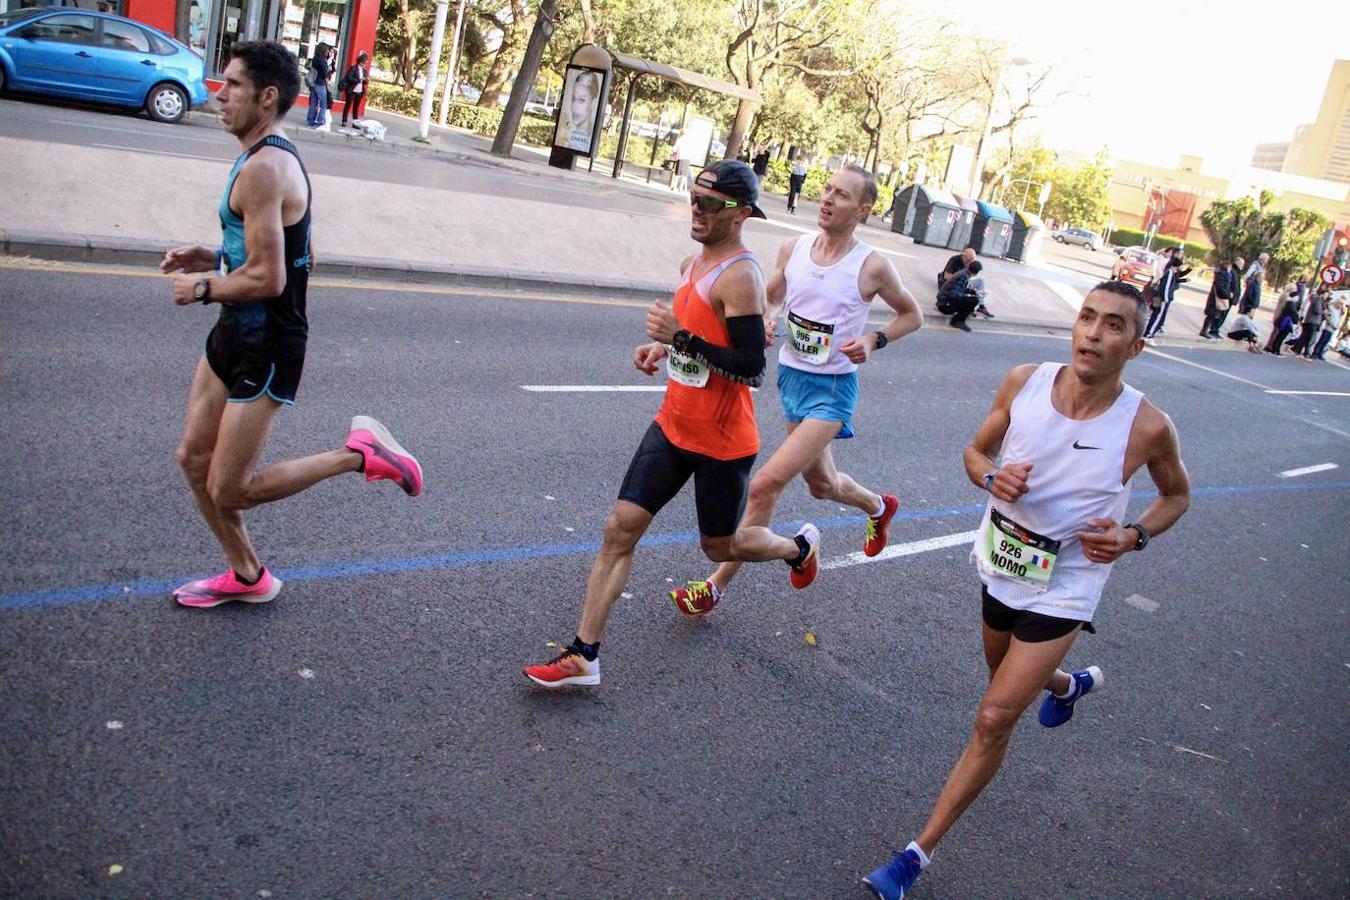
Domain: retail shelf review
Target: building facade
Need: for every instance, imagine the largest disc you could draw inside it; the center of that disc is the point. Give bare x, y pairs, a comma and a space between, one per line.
210, 27
1270, 156
1322, 149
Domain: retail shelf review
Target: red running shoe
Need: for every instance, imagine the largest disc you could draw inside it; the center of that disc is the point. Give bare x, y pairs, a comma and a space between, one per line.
878, 531
568, 667
384, 457
804, 572
696, 599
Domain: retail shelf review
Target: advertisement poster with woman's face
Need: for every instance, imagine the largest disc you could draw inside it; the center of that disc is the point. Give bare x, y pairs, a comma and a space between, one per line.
580, 101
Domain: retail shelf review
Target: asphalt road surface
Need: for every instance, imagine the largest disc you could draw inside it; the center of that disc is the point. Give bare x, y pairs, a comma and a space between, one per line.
369, 734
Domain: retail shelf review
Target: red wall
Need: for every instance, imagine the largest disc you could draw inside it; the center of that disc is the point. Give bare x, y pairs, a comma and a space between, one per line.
155, 13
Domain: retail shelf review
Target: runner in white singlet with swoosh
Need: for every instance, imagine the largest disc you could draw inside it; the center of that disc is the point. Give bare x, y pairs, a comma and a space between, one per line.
1068, 440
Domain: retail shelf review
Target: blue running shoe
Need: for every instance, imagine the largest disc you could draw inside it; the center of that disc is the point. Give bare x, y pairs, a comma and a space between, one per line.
1055, 712
893, 880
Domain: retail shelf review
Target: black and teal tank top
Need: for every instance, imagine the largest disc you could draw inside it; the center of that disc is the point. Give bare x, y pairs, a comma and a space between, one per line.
276, 325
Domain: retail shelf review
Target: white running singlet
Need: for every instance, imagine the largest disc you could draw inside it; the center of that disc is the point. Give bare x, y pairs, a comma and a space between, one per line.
1075, 477
822, 309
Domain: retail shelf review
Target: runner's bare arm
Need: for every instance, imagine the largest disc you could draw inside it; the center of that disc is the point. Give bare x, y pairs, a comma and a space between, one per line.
259, 191
1010, 481
878, 278
1153, 442
193, 258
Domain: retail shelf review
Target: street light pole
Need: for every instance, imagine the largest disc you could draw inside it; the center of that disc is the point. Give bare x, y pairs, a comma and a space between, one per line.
433, 65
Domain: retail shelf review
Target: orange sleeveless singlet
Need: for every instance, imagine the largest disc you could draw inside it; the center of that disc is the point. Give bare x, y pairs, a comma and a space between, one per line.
717, 419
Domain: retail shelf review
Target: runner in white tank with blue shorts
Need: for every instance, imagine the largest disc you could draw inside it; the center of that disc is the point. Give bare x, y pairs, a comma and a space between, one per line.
822, 286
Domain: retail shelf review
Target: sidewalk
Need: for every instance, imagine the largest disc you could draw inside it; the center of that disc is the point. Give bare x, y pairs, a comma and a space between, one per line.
471, 234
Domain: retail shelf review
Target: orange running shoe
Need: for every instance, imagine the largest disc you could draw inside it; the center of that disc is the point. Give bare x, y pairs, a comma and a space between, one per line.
568, 667
696, 599
878, 530
804, 572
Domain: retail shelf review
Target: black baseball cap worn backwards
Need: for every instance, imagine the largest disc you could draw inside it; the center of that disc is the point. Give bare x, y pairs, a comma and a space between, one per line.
735, 179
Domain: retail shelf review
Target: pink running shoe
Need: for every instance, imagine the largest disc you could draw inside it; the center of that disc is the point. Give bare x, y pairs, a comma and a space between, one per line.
384, 457
226, 587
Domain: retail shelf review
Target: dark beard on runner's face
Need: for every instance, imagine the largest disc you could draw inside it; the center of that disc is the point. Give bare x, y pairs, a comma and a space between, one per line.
719, 227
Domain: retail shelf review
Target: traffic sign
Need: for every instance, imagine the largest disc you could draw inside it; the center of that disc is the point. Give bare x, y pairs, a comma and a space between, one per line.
1332, 275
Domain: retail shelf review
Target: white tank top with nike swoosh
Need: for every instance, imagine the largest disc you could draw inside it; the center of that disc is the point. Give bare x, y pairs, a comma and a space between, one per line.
823, 309
1075, 477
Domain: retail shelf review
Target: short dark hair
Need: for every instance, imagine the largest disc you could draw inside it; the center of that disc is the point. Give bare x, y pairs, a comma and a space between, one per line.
975, 267
869, 182
1124, 289
269, 64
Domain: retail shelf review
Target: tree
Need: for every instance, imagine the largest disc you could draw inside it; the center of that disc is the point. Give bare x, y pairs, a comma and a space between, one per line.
540, 34
515, 25
1248, 227
772, 33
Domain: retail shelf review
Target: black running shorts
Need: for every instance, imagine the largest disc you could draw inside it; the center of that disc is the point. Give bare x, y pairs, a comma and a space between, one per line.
1031, 627
249, 373
659, 469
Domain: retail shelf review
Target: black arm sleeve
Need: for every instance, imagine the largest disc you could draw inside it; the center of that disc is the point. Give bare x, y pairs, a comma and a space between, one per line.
743, 361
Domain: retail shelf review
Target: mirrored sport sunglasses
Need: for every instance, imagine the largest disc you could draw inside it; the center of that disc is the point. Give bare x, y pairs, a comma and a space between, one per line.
711, 204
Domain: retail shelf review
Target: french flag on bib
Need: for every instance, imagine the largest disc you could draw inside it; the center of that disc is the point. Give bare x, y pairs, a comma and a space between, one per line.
1039, 561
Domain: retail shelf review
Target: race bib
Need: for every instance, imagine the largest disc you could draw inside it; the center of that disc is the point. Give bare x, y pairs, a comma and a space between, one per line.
810, 340
685, 370
1017, 553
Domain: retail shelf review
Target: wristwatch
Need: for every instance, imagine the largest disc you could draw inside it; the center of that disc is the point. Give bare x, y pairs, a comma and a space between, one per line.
1144, 536
202, 290
989, 480
681, 340
882, 340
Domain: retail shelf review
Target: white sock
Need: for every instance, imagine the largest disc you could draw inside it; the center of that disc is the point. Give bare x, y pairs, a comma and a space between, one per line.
882, 511
923, 857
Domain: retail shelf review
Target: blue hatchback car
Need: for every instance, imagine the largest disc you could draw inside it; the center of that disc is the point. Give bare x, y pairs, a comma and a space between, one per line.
84, 55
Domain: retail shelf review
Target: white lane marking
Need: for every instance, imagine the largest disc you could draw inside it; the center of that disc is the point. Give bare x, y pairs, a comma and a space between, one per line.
1069, 294
1209, 369
591, 388
143, 133
163, 152
1308, 470
1313, 393
1139, 601
898, 550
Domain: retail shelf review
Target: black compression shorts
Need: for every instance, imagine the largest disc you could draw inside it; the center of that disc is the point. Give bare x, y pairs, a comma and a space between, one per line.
1031, 627
659, 469
249, 373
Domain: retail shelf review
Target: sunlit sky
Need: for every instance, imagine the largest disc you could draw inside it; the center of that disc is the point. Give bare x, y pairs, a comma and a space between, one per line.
1154, 79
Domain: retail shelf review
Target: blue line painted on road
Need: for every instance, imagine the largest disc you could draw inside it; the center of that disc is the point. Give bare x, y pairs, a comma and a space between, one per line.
66, 596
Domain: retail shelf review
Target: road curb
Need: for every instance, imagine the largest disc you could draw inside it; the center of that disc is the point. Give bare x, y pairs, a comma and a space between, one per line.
82, 248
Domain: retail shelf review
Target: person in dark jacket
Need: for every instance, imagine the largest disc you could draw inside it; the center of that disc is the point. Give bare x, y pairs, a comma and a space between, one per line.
1252, 280
1223, 293
1165, 290
320, 72
957, 299
1312, 324
1284, 322
354, 88
760, 164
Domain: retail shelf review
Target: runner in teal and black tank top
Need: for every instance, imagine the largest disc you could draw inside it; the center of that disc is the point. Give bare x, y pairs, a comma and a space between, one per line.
259, 347
255, 352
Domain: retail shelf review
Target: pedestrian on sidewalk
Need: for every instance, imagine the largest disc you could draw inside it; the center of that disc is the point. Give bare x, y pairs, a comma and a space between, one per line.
679, 157
1312, 324
796, 178
1331, 318
957, 299
320, 71
1222, 292
1244, 329
760, 164
1251, 280
956, 263
354, 89
1286, 316
1164, 293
